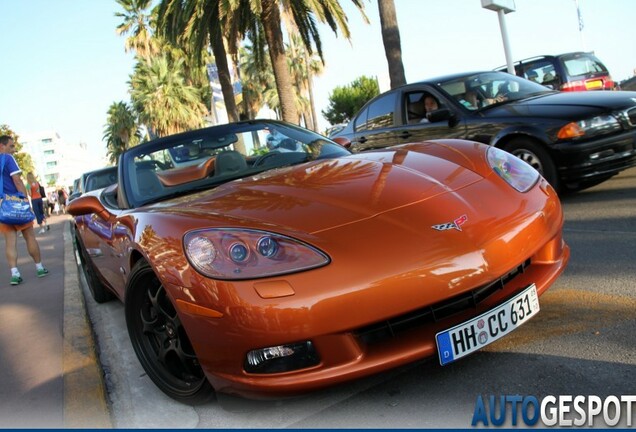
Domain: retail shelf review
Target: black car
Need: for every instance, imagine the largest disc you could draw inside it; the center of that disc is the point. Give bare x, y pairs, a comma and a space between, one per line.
94, 180
574, 139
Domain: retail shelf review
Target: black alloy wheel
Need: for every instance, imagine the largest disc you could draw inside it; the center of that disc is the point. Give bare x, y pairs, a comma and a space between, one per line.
160, 341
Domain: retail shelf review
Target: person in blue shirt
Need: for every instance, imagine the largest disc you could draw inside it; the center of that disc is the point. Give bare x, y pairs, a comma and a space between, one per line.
12, 183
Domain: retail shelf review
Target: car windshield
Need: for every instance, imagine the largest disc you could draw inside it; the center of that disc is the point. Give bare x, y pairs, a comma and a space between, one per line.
578, 65
480, 90
203, 159
100, 179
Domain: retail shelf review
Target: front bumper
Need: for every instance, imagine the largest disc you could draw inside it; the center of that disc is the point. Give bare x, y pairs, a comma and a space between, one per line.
353, 353
596, 159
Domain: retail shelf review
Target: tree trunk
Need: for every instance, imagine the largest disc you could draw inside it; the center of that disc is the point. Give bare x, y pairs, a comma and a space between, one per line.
225, 79
270, 17
391, 40
310, 90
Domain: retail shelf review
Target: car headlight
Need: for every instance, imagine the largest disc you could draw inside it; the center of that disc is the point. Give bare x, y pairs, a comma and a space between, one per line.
513, 170
234, 254
587, 128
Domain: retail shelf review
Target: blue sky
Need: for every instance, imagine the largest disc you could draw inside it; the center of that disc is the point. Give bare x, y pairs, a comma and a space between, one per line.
63, 64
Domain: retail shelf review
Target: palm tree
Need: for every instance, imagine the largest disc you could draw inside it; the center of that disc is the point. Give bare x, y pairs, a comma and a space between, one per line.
138, 23
258, 17
257, 80
193, 25
391, 40
303, 67
166, 104
121, 130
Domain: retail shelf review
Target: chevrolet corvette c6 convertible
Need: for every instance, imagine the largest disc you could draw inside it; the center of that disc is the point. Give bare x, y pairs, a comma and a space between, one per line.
261, 259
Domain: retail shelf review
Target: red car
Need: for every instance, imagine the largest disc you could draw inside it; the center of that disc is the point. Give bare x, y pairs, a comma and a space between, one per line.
267, 272
576, 71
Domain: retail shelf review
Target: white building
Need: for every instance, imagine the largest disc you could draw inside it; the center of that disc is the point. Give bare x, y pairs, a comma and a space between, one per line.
57, 163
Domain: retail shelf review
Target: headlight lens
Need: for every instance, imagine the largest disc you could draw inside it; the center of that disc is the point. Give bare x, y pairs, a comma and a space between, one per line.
235, 254
513, 170
587, 128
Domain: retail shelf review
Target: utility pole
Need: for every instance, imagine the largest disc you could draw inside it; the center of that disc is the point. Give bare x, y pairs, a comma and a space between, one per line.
502, 7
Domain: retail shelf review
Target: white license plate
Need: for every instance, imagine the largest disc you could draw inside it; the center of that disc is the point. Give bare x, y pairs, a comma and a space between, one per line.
480, 331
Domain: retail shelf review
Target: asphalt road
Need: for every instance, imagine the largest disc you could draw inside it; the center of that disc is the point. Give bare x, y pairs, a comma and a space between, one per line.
583, 342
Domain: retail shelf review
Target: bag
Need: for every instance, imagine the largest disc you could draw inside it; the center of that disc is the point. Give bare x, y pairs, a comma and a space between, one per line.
14, 208
42, 192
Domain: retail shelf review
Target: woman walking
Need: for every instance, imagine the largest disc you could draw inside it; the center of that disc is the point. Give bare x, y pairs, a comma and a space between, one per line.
37, 202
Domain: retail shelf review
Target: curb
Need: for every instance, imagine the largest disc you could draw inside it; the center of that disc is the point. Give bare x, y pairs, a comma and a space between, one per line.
85, 404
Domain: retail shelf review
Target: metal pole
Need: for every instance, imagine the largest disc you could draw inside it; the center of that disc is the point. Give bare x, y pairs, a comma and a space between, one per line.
506, 43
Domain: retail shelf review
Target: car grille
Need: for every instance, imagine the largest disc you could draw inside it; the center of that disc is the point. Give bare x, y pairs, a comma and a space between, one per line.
388, 329
631, 116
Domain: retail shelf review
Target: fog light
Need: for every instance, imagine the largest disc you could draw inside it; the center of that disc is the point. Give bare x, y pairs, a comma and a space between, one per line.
281, 358
601, 155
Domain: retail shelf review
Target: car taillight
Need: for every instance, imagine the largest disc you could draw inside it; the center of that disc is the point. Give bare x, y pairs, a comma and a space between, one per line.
574, 86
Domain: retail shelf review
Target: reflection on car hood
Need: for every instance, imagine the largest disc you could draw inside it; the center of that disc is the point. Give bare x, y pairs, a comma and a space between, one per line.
324, 194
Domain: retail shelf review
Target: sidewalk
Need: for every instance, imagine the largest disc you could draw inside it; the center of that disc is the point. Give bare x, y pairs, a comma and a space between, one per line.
48, 368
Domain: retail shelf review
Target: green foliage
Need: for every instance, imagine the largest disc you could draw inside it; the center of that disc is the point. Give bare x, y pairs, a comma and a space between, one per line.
121, 130
23, 159
345, 102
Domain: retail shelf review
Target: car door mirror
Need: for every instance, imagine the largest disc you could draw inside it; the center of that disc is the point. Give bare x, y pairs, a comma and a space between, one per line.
438, 115
87, 204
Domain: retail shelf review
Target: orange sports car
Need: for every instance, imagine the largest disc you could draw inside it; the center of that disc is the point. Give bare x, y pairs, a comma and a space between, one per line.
262, 259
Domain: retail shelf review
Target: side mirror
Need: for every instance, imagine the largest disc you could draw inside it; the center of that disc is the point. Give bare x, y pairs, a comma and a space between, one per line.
85, 205
342, 141
438, 115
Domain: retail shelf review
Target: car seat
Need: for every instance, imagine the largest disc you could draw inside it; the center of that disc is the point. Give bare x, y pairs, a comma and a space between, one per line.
148, 183
229, 162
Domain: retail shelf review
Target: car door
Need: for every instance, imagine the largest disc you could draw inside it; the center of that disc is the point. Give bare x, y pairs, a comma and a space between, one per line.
374, 127
106, 241
414, 126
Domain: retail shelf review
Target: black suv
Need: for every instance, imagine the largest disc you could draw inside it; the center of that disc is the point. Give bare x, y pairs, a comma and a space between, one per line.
577, 71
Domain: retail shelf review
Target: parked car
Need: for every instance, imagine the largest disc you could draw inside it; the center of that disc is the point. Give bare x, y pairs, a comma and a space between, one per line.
576, 71
93, 180
574, 139
290, 271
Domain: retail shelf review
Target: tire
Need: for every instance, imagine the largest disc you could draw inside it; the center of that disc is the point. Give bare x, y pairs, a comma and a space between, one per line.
160, 341
98, 290
536, 156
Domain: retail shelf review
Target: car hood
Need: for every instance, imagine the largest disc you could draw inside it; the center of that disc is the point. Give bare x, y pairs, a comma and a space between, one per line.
567, 104
324, 194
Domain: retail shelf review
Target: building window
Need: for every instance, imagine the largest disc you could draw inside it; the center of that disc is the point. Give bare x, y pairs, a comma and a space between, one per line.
51, 164
49, 152
47, 140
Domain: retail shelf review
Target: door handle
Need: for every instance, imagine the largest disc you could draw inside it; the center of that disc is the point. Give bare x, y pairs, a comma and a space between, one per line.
405, 134
362, 139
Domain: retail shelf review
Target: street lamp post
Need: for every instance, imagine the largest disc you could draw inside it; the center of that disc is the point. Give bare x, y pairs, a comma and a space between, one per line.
502, 7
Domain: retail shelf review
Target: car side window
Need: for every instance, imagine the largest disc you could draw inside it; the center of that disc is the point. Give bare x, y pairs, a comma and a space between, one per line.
417, 105
541, 72
361, 121
381, 112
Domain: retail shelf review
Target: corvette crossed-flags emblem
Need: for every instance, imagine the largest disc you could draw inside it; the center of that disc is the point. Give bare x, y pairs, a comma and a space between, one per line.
456, 224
